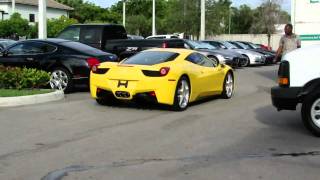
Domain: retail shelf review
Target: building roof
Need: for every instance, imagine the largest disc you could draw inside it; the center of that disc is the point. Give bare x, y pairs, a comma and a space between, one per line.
50, 3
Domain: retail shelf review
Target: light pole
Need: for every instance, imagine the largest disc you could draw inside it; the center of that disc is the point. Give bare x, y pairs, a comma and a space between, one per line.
203, 21
42, 19
230, 14
124, 13
153, 17
13, 5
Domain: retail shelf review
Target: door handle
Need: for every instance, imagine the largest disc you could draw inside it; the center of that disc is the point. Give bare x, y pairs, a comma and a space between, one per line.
30, 59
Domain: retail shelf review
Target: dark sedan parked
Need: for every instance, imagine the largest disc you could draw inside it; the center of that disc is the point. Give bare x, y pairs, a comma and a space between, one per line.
69, 62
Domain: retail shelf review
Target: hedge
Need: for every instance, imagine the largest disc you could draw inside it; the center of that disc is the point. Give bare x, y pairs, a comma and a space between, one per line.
22, 78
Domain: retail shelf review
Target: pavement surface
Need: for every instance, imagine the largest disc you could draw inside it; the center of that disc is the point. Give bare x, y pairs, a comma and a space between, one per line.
241, 138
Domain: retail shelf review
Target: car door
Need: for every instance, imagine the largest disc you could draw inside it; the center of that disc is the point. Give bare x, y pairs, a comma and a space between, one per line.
212, 75
201, 74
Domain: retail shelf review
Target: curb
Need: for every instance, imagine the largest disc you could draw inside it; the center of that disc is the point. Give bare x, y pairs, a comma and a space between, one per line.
31, 99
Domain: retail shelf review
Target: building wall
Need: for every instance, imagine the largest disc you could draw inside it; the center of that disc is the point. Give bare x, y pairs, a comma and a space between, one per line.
306, 20
255, 38
25, 10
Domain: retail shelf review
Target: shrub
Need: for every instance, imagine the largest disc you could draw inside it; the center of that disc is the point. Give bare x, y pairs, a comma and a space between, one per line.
22, 78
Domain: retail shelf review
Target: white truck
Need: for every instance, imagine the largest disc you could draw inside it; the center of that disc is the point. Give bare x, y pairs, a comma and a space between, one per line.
299, 82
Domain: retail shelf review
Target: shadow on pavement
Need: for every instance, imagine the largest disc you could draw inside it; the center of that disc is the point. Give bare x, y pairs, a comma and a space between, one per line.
281, 121
271, 74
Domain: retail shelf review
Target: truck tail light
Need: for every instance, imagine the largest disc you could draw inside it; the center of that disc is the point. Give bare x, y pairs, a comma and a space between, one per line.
283, 74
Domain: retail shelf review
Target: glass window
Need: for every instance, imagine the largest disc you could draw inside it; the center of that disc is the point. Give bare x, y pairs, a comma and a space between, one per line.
201, 60
91, 34
151, 58
71, 33
229, 45
31, 18
199, 45
194, 58
31, 48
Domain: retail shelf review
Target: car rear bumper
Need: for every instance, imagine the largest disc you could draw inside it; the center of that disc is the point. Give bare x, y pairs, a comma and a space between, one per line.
160, 88
285, 98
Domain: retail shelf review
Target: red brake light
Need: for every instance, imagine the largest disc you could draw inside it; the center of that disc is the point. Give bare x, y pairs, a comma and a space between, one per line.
93, 62
164, 71
164, 45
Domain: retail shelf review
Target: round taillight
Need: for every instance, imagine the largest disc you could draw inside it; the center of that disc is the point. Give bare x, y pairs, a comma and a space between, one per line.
164, 71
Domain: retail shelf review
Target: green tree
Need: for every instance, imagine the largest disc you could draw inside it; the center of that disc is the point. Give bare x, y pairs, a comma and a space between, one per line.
265, 17
217, 16
89, 12
57, 25
241, 20
15, 26
139, 16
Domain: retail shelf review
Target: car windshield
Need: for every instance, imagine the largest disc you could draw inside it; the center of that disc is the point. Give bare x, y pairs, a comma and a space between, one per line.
243, 46
5, 44
229, 45
151, 58
200, 45
254, 46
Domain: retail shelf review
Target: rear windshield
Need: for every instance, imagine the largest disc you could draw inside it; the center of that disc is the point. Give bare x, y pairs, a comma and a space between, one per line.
151, 58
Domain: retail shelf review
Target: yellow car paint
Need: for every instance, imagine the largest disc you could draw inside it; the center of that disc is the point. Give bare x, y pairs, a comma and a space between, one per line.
204, 81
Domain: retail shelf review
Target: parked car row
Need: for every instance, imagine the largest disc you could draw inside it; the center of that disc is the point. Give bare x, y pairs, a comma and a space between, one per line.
78, 48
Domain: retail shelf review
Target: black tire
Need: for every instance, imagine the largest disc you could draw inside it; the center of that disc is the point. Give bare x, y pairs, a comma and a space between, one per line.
214, 59
225, 94
310, 103
177, 106
68, 77
247, 63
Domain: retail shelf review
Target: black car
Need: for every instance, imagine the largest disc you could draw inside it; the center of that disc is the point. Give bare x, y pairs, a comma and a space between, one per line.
69, 62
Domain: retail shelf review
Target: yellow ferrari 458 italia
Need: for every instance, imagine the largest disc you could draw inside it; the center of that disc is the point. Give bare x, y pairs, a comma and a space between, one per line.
173, 77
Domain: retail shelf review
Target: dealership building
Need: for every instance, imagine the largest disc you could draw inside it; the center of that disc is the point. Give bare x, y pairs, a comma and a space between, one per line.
305, 17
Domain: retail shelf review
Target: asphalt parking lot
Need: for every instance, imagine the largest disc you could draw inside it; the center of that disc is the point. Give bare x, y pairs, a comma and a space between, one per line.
241, 138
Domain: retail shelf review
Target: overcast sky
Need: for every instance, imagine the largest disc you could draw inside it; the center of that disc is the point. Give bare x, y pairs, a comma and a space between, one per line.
253, 3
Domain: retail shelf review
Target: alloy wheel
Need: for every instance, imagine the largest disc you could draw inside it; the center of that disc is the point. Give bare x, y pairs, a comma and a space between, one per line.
315, 112
183, 93
229, 85
59, 80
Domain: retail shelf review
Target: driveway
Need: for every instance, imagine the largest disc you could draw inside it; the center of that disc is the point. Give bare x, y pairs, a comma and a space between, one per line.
241, 138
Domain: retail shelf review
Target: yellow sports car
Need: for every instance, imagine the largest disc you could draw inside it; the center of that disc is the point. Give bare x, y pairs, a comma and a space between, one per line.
173, 77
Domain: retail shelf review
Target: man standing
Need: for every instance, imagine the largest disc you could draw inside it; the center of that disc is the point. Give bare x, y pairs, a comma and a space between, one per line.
288, 42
